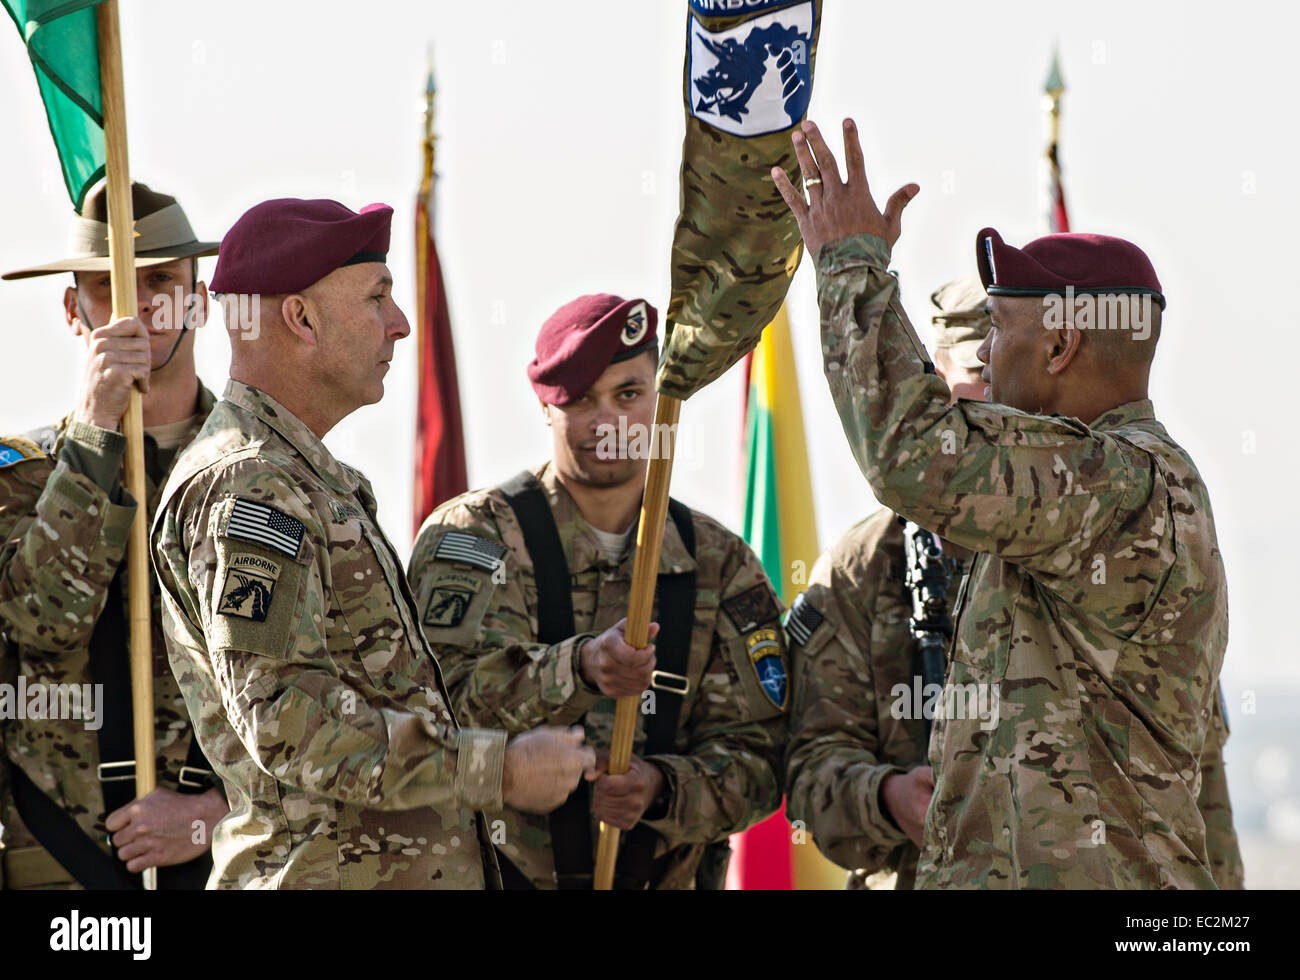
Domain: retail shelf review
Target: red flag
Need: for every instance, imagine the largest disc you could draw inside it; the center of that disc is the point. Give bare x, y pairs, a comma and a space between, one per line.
439, 439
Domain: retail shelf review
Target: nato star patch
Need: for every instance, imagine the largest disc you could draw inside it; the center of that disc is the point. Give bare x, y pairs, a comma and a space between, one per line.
765, 657
250, 584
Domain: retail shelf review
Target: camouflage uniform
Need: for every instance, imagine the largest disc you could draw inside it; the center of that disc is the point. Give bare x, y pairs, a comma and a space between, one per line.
1097, 615
724, 773
293, 634
845, 734
64, 522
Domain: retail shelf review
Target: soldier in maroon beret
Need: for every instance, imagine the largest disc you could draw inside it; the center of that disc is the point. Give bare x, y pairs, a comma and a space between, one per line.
538, 637
1093, 623
289, 621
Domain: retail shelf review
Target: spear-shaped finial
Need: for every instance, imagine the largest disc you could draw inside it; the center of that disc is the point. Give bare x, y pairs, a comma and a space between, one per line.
1055, 85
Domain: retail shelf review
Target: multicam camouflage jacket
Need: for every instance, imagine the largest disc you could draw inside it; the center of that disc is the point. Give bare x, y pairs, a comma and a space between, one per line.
723, 774
64, 522
857, 698
1096, 614
853, 659
294, 637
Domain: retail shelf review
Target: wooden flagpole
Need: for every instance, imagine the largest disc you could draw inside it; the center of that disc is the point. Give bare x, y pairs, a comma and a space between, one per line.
645, 573
121, 250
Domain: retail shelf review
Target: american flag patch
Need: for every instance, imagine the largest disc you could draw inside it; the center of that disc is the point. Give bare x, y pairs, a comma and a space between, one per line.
803, 620
469, 549
251, 521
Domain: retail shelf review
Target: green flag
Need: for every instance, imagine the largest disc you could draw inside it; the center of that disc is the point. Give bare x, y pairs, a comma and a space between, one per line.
748, 79
64, 47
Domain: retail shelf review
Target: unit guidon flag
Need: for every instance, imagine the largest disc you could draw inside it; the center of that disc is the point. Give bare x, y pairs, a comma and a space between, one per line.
747, 81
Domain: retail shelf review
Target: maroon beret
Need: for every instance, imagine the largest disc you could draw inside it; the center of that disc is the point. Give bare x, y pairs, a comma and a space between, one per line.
581, 339
285, 245
1092, 264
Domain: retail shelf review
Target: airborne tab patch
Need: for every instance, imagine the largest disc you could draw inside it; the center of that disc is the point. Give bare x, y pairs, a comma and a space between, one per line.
250, 583
751, 609
765, 657
251, 521
803, 620
463, 548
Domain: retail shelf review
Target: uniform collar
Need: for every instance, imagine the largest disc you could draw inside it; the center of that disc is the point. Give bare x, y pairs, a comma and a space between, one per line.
584, 549
339, 478
1123, 415
207, 401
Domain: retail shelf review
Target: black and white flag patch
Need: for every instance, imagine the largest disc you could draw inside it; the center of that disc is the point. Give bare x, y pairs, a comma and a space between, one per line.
803, 620
251, 521
463, 548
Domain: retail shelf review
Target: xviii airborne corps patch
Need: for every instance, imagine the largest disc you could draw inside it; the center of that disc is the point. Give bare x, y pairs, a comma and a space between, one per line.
250, 583
449, 601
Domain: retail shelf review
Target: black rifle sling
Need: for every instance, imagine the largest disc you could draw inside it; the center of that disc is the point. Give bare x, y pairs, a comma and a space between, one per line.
570, 825
676, 615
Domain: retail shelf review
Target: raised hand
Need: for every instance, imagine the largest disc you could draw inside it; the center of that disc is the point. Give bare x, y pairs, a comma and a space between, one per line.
838, 208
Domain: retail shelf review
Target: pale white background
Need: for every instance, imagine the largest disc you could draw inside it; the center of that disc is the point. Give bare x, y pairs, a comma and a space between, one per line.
561, 127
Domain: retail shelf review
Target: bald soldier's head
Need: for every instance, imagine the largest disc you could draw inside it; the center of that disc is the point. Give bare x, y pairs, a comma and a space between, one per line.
314, 276
1075, 320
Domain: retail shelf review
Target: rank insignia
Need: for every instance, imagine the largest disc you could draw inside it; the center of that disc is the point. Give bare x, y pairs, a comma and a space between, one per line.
751, 608
250, 583
449, 601
765, 657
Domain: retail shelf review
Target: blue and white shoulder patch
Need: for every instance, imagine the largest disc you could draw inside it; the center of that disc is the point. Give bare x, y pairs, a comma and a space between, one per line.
803, 620
15, 449
264, 525
463, 548
754, 78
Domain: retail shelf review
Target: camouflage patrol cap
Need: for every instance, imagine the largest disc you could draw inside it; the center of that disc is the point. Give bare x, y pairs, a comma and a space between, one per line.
582, 338
960, 321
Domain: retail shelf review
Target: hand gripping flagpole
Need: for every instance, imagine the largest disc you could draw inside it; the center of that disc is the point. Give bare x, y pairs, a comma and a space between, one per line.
121, 251
649, 541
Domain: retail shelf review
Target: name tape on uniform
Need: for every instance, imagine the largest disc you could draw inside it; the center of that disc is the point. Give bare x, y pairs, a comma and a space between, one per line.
463, 548
251, 521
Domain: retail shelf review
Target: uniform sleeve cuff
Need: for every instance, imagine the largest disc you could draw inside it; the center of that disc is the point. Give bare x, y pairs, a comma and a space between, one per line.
666, 823
94, 452
879, 824
480, 763
851, 252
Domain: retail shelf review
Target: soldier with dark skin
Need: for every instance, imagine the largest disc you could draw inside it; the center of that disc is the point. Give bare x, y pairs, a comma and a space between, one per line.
855, 763
1096, 609
64, 515
714, 770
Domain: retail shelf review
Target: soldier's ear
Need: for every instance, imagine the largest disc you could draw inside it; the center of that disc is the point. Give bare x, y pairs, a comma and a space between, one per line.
546, 411
298, 317
72, 312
